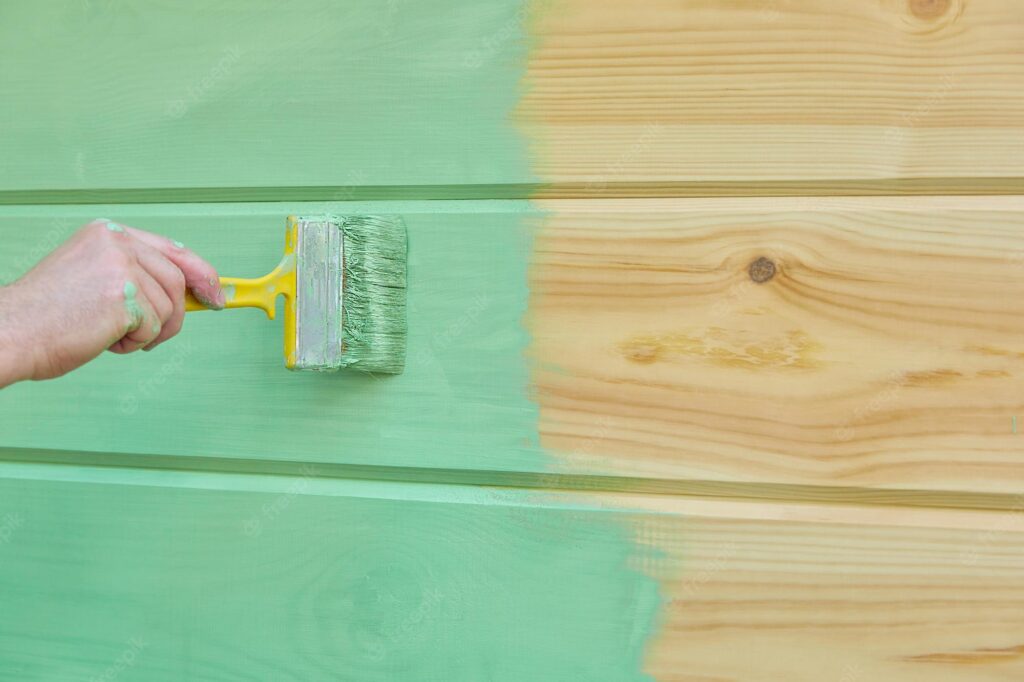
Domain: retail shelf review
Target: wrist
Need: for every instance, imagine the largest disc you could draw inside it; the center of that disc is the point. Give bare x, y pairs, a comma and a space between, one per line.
16, 356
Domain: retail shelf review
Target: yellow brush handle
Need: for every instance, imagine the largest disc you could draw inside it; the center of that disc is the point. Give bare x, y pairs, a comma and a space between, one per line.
262, 293
259, 293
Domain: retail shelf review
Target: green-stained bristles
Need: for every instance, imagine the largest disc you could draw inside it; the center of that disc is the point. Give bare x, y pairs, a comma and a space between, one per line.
374, 293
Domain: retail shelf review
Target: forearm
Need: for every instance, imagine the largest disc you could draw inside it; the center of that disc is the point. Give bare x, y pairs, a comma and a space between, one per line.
15, 352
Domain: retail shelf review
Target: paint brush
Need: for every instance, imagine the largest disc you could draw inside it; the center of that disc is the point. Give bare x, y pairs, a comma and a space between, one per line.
344, 283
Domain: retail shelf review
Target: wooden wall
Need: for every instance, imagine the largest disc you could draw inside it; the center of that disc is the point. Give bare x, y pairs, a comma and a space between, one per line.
714, 356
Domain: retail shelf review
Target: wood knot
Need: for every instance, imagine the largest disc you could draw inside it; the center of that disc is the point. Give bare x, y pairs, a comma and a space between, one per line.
761, 270
928, 10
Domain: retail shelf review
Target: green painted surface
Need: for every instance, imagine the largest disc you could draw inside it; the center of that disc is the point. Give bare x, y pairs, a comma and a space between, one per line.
128, 572
221, 389
311, 576
236, 93
187, 576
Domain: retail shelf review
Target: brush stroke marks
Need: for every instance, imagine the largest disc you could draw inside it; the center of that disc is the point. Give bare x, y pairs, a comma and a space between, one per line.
242, 94
345, 580
319, 578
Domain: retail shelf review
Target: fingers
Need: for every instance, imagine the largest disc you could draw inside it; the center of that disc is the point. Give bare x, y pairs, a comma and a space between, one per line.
155, 307
145, 305
172, 281
200, 277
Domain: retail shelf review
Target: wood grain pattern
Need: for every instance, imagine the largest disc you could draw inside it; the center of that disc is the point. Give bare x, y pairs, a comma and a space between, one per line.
243, 96
764, 598
182, 575
565, 97
881, 360
724, 95
704, 440
313, 578
884, 351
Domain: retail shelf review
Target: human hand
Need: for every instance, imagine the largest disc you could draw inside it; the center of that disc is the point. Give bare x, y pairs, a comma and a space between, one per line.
109, 287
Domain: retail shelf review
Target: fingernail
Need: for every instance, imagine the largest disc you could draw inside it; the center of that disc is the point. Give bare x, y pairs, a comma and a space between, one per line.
212, 304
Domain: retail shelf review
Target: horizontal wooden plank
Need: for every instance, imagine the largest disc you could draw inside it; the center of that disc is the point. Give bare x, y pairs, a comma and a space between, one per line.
222, 389
812, 594
872, 343
182, 576
170, 575
188, 95
720, 93
620, 345
456, 99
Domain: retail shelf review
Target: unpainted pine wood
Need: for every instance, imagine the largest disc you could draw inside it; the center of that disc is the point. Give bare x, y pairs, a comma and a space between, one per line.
803, 593
868, 343
673, 97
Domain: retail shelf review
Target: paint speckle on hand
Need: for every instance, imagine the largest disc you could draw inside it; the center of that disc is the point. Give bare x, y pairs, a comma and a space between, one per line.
202, 298
132, 306
177, 244
113, 227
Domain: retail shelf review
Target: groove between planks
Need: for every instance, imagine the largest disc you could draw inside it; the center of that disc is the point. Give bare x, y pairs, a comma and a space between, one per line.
549, 483
907, 187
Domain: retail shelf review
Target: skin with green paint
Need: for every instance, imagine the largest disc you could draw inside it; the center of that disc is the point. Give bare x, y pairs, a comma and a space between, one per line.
307, 577
135, 312
62, 313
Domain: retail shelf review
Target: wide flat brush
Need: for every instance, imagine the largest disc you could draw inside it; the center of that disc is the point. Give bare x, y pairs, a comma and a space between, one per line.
344, 283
